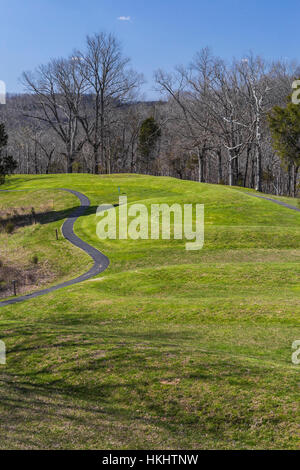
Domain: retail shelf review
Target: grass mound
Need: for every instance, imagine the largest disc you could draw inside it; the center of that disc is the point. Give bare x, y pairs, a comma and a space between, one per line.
167, 348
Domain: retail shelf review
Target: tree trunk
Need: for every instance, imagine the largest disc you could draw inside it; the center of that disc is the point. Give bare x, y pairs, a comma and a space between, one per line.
100, 162
289, 181
70, 161
236, 169
201, 165
108, 171
220, 174
247, 163
295, 176
97, 165
132, 158
258, 168
232, 168
69, 167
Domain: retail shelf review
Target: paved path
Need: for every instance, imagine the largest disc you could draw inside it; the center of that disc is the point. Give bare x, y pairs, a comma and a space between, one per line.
281, 203
101, 261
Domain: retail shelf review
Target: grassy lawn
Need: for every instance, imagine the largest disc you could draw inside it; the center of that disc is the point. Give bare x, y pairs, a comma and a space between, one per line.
29, 255
293, 201
167, 348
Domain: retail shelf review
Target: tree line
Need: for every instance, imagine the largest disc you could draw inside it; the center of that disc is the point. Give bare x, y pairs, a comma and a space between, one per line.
217, 122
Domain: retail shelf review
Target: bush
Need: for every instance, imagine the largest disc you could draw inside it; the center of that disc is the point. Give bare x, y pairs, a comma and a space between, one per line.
35, 259
7, 163
9, 227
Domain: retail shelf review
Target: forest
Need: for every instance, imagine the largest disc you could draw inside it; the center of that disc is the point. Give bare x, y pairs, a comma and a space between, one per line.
216, 122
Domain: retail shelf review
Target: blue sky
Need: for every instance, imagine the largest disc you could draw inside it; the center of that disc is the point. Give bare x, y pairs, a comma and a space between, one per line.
159, 33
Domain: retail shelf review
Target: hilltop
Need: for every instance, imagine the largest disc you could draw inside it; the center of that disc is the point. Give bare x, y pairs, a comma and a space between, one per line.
167, 348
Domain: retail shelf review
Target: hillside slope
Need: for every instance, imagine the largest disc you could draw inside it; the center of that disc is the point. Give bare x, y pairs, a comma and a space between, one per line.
168, 348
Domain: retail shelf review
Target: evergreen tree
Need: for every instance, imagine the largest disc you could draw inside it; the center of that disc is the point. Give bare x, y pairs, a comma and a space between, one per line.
285, 130
7, 163
148, 137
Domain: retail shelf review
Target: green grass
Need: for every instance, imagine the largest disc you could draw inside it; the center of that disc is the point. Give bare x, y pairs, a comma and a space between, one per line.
167, 348
39, 239
293, 201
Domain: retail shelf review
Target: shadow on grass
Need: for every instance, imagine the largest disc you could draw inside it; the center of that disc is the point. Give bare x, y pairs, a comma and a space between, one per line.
133, 386
20, 220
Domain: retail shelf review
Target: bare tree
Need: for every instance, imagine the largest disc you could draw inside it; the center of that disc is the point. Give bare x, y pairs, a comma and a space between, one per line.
209, 97
58, 89
213, 124
110, 82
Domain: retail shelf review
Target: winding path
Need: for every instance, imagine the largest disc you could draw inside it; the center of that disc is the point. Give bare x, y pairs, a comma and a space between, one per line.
281, 203
101, 261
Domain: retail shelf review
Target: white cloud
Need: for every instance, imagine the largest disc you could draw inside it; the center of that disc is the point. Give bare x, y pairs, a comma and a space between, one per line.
124, 18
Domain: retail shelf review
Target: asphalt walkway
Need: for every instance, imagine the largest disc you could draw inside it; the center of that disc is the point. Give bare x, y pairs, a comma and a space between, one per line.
101, 261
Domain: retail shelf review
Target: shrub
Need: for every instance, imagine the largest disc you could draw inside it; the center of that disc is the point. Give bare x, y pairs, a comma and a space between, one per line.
9, 227
35, 259
33, 215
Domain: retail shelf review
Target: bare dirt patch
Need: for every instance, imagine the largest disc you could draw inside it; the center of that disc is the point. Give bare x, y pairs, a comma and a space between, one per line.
27, 278
17, 263
21, 216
